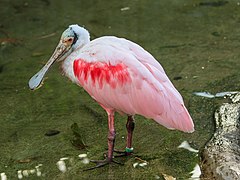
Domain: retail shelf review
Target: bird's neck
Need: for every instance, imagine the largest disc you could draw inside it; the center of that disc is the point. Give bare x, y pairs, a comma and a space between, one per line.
67, 64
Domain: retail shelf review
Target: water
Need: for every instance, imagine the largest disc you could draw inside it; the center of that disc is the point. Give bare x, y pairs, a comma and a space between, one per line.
197, 44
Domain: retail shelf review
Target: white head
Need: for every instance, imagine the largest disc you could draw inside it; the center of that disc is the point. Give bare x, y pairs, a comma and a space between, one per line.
77, 35
74, 37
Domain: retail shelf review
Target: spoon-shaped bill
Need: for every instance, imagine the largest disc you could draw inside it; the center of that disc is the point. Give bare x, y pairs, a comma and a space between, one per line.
36, 81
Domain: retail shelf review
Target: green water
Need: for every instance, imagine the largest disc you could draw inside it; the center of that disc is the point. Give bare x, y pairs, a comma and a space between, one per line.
197, 43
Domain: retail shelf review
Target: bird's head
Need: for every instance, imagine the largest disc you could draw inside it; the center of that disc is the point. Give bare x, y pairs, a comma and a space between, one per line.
72, 38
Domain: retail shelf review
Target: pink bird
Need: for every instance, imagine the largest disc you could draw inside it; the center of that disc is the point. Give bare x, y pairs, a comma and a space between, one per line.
122, 77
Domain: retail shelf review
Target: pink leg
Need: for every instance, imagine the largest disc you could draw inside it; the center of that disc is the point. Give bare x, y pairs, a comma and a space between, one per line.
129, 149
130, 127
111, 135
111, 140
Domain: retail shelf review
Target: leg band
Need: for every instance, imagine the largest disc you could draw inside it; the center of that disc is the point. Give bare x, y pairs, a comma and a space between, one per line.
129, 150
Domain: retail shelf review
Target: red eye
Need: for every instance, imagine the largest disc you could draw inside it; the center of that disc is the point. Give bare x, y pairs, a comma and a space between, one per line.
69, 40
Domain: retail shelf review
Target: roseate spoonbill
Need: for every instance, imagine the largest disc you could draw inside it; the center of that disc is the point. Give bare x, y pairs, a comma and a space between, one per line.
122, 77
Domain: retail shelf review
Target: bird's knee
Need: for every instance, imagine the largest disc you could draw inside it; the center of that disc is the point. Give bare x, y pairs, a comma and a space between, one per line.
130, 124
111, 135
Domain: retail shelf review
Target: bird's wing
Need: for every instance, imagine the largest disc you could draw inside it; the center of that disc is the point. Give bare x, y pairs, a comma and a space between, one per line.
121, 75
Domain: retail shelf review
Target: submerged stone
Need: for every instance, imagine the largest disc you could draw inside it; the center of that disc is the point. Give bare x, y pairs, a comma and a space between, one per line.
52, 132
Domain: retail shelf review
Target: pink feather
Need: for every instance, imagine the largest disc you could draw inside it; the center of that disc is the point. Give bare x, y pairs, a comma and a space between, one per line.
122, 76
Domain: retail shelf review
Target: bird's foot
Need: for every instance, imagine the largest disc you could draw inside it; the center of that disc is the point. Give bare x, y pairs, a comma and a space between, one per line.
126, 152
101, 163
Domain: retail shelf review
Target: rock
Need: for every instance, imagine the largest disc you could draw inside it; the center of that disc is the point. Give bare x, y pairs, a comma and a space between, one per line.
52, 132
221, 155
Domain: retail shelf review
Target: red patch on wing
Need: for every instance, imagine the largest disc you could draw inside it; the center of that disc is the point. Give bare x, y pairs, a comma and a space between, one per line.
101, 72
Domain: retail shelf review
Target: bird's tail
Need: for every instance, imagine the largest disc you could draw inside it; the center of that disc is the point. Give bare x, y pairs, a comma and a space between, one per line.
180, 120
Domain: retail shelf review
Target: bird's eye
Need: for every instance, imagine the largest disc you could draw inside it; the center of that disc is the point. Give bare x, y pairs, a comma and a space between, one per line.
70, 39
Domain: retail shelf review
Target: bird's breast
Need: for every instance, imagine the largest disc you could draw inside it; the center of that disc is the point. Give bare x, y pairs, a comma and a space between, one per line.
101, 73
